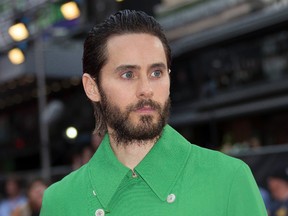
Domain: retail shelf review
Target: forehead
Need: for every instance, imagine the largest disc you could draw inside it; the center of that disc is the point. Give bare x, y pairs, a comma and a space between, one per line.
135, 47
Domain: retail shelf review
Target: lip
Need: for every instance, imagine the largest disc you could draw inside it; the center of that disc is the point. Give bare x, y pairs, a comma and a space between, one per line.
145, 109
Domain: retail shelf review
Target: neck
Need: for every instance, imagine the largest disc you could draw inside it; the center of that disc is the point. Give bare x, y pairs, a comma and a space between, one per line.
130, 155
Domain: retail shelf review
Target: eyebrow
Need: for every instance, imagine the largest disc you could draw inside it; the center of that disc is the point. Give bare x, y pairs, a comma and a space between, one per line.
137, 67
158, 65
127, 67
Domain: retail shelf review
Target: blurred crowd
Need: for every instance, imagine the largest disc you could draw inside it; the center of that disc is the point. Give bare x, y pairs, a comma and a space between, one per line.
22, 201
276, 198
23, 197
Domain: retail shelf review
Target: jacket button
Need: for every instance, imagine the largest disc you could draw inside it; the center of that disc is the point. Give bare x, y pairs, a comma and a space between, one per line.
99, 212
171, 198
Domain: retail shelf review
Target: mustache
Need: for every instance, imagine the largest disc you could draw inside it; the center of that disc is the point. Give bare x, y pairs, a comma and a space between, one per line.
142, 103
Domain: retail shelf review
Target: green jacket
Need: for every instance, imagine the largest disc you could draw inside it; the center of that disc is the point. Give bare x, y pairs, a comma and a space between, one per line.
175, 178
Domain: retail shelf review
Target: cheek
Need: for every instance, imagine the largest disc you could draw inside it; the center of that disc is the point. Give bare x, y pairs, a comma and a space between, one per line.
118, 96
168, 88
162, 90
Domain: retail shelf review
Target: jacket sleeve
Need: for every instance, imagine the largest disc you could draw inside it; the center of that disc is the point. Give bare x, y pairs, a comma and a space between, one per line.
244, 197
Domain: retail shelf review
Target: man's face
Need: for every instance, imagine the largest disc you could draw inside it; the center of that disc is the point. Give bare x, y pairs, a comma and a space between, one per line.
134, 87
35, 194
278, 188
12, 188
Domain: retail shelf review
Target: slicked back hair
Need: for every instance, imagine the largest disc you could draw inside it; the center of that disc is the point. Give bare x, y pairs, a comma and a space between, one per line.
95, 47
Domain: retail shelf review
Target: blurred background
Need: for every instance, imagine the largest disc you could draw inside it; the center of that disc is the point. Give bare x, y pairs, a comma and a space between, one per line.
229, 85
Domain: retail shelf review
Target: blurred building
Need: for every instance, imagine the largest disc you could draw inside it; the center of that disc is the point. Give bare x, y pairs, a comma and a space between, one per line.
229, 76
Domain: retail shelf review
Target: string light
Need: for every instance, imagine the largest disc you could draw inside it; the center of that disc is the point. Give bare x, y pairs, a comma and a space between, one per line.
70, 10
71, 132
18, 32
16, 56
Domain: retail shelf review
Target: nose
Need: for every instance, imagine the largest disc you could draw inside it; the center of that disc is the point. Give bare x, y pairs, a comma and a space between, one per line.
144, 89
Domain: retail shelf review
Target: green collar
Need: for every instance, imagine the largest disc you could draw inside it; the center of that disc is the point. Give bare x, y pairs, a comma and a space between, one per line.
160, 168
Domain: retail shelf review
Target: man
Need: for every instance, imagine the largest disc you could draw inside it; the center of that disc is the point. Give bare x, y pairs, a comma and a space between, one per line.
14, 195
278, 187
143, 166
35, 193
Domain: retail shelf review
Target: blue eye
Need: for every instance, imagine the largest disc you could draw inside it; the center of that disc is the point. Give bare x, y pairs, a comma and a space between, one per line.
156, 73
127, 75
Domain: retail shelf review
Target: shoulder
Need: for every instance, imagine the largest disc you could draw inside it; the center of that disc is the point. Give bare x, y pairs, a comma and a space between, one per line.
215, 163
208, 157
221, 169
70, 184
70, 191
60, 196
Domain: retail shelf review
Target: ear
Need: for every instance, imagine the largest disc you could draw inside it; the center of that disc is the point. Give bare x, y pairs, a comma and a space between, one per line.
90, 88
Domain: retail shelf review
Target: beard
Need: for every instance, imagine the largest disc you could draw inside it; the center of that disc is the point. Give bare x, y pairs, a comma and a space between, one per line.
125, 131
